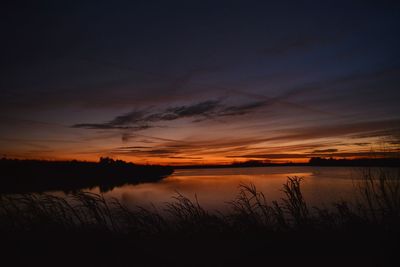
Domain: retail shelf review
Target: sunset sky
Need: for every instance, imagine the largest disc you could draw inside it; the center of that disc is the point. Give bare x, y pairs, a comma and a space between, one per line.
197, 82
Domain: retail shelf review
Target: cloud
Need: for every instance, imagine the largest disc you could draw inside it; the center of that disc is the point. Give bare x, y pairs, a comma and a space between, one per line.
206, 108
241, 109
275, 145
330, 150
363, 129
362, 144
270, 156
107, 126
310, 155
146, 152
179, 157
141, 120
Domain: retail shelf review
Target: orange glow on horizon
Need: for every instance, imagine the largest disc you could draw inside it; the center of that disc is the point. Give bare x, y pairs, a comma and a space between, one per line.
178, 150
175, 162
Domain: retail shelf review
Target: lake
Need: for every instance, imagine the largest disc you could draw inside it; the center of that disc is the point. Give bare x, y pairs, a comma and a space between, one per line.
215, 187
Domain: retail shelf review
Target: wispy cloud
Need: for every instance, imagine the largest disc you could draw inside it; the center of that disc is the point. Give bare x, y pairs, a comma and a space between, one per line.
329, 150
310, 155
144, 119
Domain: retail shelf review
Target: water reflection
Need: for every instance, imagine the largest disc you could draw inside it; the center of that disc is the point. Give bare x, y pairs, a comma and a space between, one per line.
215, 187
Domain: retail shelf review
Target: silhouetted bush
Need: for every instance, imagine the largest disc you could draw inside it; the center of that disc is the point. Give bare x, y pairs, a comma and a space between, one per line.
25, 176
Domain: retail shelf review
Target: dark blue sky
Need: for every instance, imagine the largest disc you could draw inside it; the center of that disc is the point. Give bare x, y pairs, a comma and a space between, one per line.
199, 81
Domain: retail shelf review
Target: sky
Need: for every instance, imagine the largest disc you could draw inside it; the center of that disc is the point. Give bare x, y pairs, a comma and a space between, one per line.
199, 82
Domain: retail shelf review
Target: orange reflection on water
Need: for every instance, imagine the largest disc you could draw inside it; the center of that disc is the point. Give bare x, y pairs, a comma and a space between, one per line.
214, 188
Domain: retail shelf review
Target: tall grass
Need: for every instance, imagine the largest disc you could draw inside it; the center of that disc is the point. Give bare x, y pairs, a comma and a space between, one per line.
379, 193
250, 211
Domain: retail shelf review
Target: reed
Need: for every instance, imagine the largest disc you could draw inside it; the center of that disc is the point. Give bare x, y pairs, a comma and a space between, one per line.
378, 205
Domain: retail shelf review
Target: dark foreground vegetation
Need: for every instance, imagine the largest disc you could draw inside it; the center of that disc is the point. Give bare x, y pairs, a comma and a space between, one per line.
25, 176
85, 229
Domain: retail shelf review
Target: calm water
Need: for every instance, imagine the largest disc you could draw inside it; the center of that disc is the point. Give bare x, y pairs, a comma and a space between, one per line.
215, 187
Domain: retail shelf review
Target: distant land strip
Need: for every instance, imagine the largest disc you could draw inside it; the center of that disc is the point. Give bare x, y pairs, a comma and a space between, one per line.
26, 176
